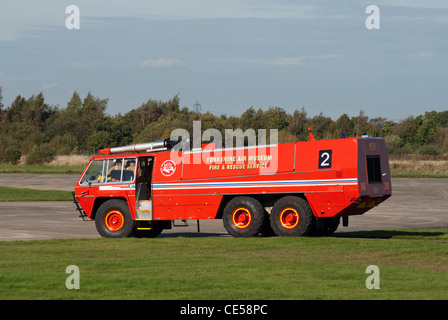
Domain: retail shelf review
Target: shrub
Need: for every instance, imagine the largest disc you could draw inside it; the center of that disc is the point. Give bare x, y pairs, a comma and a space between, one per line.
394, 144
429, 149
41, 154
12, 155
64, 144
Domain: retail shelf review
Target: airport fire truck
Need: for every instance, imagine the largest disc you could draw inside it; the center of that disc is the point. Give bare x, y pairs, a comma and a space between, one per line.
286, 189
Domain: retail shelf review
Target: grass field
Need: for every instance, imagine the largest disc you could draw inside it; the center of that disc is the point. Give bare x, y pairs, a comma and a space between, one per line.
24, 194
412, 264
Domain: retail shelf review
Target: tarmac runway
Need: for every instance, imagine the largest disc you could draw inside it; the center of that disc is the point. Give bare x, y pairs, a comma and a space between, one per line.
415, 203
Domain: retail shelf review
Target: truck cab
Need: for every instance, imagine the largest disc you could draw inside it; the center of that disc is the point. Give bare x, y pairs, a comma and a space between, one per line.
116, 189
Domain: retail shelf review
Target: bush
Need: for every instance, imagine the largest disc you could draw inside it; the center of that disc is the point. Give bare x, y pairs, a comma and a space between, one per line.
394, 144
41, 154
64, 144
429, 149
12, 155
99, 140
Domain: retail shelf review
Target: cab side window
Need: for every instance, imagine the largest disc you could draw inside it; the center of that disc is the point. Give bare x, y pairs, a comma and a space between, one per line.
129, 169
121, 170
115, 166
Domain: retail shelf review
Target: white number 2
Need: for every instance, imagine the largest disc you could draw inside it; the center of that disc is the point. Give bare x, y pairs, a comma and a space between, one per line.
325, 157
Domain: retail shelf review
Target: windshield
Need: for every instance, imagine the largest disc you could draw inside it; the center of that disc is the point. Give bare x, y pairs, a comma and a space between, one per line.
110, 171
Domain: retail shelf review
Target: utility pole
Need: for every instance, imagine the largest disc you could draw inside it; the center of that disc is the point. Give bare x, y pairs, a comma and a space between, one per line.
197, 106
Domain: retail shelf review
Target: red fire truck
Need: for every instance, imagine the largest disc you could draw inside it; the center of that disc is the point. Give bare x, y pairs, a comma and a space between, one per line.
286, 189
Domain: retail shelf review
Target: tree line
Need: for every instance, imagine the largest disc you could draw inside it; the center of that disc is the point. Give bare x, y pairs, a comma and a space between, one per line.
32, 128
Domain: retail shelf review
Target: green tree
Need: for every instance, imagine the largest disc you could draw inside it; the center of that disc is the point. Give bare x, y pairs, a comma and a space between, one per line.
111, 132
361, 124
74, 106
298, 125
428, 127
24, 121
344, 125
14, 112
12, 155
98, 140
150, 112
93, 109
319, 126
64, 144
246, 120
406, 129
36, 112
1, 100
388, 127
78, 120
276, 118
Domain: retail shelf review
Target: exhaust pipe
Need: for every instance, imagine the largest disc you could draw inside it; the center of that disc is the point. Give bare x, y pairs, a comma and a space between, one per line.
148, 146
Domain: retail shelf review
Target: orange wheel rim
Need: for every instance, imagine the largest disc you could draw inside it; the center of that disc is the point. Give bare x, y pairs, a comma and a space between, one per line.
114, 220
241, 218
289, 218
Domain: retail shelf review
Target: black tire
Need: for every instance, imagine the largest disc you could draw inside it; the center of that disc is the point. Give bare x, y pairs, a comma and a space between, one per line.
291, 216
330, 225
156, 229
266, 229
113, 219
243, 217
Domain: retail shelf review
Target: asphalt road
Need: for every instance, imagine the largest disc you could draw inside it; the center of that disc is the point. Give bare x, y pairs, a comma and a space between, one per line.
415, 203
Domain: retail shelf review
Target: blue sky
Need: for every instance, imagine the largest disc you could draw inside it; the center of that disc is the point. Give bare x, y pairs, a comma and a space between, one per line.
231, 55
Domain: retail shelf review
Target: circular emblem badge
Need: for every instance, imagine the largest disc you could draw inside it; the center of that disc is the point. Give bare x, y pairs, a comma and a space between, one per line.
168, 167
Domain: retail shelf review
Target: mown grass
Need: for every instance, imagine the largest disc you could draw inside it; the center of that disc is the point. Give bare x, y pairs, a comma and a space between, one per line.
25, 194
41, 169
412, 264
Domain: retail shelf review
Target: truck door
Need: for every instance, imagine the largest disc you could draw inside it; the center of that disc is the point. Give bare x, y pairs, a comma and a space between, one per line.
143, 192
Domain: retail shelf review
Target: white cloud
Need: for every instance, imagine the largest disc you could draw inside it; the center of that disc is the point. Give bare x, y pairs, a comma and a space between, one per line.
8, 78
287, 61
422, 55
430, 4
49, 86
19, 17
77, 65
161, 63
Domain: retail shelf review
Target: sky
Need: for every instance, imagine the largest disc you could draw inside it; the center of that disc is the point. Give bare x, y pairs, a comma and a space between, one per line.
231, 55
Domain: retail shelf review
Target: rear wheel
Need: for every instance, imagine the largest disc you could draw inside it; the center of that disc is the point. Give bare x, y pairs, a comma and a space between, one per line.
292, 217
243, 217
113, 219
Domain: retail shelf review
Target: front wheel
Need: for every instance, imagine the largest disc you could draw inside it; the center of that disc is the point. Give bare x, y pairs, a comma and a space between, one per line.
292, 217
113, 219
